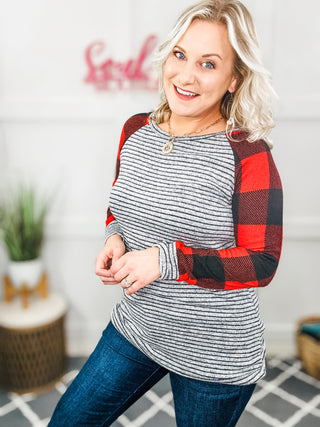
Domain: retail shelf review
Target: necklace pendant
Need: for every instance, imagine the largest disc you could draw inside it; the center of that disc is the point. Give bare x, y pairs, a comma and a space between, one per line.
168, 146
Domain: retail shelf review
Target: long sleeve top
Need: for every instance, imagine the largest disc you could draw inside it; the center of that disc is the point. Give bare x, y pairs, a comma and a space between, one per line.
214, 208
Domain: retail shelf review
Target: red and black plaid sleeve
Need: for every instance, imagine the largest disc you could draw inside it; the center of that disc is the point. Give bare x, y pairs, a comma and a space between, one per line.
130, 127
257, 215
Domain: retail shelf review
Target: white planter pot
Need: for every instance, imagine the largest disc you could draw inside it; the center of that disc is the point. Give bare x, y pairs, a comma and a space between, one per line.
28, 272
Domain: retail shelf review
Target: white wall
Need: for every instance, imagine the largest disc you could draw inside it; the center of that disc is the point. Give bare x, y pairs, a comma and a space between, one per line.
62, 134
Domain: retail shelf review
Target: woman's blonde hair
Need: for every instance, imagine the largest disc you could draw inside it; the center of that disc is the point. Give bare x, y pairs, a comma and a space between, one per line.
249, 107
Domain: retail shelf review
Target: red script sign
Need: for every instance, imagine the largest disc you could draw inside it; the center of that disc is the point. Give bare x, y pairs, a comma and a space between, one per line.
108, 74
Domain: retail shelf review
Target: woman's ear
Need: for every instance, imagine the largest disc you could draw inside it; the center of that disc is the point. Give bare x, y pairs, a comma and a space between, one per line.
233, 85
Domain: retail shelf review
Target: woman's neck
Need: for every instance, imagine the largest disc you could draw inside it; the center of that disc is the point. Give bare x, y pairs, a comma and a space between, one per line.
180, 125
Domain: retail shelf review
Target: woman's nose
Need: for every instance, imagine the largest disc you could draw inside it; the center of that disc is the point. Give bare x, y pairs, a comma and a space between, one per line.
187, 74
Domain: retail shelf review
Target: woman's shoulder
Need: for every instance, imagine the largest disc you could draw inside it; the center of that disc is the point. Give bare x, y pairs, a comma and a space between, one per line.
132, 125
239, 141
135, 122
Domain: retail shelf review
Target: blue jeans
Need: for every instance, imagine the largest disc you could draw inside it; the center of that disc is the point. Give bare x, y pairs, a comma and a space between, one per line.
117, 374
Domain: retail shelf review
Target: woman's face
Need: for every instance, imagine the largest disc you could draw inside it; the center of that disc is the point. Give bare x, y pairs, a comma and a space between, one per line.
199, 71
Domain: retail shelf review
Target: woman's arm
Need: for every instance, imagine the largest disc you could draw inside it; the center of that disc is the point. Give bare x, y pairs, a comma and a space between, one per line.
131, 126
114, 246
257, 216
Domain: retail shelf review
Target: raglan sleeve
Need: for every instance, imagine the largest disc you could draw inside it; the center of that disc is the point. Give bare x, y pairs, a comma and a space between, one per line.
135, 122
257, 216
111, 225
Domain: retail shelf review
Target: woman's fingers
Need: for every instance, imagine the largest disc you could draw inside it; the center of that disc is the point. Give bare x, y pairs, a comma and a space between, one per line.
127, 282
102, 272
110, 254
117, 253
135, 287
104, 259
133, 270
121, 274
139, 268
108, 281
108, 278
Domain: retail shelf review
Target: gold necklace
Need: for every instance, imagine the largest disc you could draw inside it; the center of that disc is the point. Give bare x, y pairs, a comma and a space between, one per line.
169, 146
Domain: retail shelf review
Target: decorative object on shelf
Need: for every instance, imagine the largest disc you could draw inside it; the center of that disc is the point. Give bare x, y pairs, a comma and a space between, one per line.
22, 220
24, 290
29, 271
32, 343
308, 344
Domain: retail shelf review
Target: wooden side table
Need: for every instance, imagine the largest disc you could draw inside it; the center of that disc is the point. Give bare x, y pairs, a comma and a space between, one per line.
32, 343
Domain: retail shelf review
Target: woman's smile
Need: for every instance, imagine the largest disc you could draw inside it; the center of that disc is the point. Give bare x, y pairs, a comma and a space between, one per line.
185, 94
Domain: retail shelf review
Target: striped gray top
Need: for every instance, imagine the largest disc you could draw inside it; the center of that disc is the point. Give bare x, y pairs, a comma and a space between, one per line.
205, 334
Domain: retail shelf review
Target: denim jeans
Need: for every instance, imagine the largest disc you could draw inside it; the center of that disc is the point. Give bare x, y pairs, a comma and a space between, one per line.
117, 374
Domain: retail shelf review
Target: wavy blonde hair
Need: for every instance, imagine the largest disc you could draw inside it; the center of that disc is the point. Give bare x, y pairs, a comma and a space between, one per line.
249, 107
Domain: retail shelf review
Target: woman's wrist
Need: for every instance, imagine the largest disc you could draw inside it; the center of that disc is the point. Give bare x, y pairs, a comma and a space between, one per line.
113, 228
114, 237
168, 261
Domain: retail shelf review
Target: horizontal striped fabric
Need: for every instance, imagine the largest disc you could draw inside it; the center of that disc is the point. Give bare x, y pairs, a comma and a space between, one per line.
205, 334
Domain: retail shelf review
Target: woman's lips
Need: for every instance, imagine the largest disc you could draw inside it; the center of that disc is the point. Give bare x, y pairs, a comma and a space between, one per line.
185, 95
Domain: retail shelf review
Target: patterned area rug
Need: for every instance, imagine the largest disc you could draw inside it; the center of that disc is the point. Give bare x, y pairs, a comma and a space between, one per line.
286, 397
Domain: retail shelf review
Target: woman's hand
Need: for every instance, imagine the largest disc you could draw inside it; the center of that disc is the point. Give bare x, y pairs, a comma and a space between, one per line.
139, 268
112, 251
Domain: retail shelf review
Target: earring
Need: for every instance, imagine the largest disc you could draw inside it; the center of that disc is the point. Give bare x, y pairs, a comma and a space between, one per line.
230, 125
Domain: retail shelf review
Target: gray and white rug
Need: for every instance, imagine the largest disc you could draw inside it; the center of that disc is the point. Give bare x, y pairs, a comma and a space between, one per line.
286, 397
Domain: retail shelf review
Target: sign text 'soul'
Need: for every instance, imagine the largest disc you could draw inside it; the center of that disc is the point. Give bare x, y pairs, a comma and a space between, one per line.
108, 74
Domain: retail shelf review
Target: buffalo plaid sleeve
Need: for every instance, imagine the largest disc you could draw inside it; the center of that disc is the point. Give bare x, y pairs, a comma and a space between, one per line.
257, 215
132, 125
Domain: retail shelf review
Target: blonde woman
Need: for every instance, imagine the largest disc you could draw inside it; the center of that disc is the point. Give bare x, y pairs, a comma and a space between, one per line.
193, 228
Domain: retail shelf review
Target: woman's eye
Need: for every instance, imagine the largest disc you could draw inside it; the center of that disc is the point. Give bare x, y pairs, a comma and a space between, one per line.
208, 65
178, 54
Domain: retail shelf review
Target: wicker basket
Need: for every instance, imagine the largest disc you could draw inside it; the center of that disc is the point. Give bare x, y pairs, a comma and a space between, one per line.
308, 348
31, 359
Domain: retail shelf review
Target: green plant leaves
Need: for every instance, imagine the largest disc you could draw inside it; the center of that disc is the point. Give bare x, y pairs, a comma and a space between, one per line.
22, 220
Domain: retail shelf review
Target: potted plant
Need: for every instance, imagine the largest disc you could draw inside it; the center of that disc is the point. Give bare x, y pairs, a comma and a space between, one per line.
22, 219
